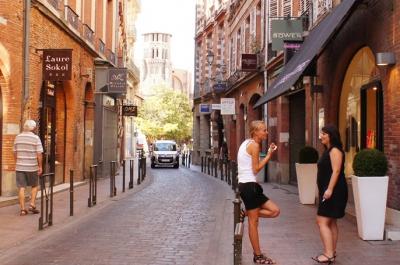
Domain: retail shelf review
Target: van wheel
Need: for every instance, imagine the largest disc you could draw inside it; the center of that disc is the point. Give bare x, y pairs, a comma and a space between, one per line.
176, 166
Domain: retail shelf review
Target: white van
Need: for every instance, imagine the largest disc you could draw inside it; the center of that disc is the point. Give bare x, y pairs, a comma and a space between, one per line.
165, 153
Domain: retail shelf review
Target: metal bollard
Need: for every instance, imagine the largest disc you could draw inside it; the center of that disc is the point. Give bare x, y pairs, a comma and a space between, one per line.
92, 186
71, 192
46, 195
190, 159
201, 163
131, 173
216, 167
113, 189
123, 175
139, 171
236, 211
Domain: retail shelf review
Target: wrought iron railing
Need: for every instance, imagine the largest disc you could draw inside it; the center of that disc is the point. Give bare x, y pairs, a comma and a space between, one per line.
88, 33
72, 17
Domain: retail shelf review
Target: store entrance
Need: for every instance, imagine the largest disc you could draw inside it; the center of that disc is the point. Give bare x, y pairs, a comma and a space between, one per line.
296, 131
372, 116
47, 128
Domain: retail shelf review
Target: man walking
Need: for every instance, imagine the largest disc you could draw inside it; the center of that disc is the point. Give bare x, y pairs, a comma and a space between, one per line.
28, 156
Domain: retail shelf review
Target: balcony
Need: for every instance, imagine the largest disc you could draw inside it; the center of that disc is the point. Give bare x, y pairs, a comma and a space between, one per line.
111, 56
72, 17
88, 33
102, 46
55, 3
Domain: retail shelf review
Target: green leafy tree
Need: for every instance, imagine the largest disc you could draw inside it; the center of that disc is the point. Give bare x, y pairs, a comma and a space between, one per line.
166, 115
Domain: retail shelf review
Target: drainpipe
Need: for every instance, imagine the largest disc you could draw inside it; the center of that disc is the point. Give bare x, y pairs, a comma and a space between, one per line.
25, 91
266, 40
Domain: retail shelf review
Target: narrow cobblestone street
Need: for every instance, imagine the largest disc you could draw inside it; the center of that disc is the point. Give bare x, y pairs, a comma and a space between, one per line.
180, 218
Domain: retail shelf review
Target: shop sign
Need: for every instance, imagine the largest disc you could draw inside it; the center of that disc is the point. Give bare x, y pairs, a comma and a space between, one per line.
249, 62
215, 106
129, 110
57, 64
227, 106
204, 108
117, 80
285, 30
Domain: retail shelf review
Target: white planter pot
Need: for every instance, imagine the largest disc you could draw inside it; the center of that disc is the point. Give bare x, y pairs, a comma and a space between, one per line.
370, 195
307, 182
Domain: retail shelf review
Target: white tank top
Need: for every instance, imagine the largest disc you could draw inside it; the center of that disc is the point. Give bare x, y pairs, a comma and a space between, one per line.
245, 169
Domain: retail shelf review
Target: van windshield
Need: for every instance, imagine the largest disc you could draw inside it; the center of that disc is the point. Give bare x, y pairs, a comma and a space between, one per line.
165, 147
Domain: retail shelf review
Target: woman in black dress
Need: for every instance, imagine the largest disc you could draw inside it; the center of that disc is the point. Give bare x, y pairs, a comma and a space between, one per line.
332, 188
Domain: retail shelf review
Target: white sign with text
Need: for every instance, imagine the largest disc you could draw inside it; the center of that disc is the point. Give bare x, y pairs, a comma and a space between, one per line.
227, 106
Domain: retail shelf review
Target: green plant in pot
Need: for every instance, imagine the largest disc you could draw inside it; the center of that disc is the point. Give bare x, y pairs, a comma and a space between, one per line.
370, 186
306, 171
370, 162
308, 155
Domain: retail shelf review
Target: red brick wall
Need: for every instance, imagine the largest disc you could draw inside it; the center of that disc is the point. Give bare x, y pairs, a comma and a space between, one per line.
11, 71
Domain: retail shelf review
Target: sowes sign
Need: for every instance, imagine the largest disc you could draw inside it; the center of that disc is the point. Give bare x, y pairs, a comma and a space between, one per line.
227, 106
285, 30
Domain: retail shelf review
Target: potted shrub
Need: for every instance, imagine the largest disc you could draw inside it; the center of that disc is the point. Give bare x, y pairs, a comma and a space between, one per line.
370, 187
306, 171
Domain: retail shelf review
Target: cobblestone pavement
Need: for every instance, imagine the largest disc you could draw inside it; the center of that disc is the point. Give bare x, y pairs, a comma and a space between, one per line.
182, 217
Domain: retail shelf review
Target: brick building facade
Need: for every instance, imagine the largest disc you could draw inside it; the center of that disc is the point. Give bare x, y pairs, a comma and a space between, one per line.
64, 110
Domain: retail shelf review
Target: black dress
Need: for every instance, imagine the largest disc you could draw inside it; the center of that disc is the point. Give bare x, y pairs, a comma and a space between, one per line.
333, 207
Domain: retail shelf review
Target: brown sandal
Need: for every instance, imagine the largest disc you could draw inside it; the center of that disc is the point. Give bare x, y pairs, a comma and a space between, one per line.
33, 209
23, 212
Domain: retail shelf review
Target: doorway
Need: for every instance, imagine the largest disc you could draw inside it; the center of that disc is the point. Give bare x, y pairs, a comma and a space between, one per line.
88, 128
372, 116
297, 128
47, 129
52, 129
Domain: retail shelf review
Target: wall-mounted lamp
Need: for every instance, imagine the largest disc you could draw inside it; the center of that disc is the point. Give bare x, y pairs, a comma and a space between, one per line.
385, 58
210, 57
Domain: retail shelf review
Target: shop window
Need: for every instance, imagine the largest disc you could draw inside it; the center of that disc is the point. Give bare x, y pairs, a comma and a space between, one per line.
358, 98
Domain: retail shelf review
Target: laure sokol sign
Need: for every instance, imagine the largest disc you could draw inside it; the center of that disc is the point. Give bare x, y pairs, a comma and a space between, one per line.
57, 64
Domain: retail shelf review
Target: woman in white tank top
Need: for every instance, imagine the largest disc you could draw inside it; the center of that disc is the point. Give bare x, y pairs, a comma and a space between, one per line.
256, 203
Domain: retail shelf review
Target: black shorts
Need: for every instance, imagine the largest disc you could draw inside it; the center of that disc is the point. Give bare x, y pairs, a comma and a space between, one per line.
252, 195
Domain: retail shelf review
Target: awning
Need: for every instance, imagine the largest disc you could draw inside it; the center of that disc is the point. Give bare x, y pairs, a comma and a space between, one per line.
312, 47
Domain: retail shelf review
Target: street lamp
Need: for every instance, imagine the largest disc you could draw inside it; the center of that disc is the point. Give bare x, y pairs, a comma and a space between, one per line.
210, 57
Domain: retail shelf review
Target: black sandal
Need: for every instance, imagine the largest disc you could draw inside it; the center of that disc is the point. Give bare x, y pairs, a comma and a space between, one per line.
23, 212
33, 209
329, 260
262, 259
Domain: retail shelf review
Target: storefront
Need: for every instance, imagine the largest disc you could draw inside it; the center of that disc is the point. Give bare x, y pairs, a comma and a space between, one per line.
353, 86
111, 85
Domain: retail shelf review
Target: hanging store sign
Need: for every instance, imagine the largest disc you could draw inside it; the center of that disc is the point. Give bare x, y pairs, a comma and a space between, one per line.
227, 106
290, 48
129, 110
117, 80
249, 62
285, 30
57, 64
